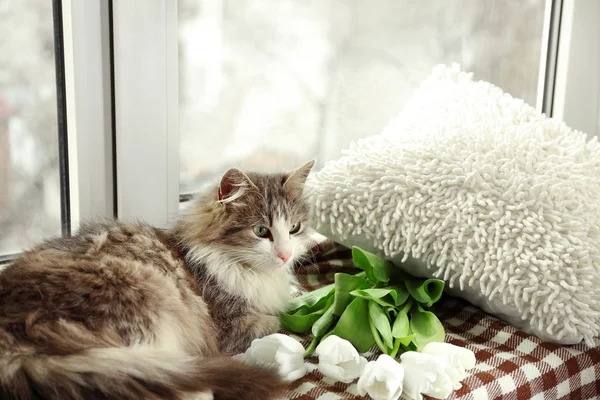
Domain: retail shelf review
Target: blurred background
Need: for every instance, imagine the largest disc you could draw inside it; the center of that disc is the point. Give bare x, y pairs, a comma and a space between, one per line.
263, 84
270, 84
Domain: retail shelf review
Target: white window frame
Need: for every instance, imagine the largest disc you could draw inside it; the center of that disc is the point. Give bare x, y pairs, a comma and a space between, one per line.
86, 39
146, 110
143, 143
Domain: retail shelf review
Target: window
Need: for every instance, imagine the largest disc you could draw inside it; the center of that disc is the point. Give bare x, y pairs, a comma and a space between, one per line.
155, 98
56, 147
270, 84
30, 189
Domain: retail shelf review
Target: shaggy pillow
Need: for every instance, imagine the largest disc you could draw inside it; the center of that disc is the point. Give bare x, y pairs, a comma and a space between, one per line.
475, 187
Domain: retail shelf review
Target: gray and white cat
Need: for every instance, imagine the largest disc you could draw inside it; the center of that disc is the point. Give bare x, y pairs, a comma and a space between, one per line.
129, 311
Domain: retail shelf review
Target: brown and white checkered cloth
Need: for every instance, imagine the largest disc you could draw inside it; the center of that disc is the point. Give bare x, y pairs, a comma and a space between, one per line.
510, 363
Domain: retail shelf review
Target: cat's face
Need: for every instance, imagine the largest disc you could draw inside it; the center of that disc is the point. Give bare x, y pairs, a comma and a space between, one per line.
263, 218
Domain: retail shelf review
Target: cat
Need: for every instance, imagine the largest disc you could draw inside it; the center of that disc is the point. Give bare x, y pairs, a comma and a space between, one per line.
130, 311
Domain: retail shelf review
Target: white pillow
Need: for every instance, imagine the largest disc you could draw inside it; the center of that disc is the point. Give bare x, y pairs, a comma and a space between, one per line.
475, 187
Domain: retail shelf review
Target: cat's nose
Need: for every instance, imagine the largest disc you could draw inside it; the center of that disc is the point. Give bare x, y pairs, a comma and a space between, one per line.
284, 256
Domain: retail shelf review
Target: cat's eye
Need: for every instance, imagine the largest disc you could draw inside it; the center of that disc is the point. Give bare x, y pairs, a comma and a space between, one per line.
295, 228
261, 231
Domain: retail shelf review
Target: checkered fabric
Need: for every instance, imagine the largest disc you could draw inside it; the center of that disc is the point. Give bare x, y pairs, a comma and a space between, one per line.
510, 363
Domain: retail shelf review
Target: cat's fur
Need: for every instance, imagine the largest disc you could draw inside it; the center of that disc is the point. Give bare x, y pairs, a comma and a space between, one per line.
128, 311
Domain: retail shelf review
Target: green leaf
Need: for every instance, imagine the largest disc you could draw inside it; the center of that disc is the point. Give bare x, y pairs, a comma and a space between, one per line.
354, 326
427, 292
377, 269
404, 348
310, 299
391, 296
401, 329
380, 296
379, 319
411, 347
344, 284
426, 327
306, 316
300, 323
402, 293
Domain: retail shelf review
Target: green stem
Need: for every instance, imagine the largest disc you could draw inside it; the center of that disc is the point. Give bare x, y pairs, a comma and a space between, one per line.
311, 348
394, 352
407, 306
377, 338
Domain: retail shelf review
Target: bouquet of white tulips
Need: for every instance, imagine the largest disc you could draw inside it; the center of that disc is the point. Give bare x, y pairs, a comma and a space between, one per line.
380, 305
435, 371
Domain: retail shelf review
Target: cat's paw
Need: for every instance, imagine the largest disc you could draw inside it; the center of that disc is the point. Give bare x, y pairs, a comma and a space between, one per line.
270, 324
265, 325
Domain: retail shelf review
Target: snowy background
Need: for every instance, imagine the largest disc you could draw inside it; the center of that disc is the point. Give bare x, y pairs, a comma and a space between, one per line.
264, 84
270, 84
29, 180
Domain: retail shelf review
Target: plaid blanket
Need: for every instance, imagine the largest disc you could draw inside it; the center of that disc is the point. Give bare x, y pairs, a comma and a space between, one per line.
510, 363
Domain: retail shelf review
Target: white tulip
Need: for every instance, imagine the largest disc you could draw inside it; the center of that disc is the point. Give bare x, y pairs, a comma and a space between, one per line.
425, 374
382, 379
458, 358
339, 360
280, 352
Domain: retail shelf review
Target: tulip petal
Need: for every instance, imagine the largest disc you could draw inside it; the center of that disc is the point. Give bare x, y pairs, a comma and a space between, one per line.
458, 358
334, 372
287, 342
334, 350
263, 350
366, 379
296, 374
465, 356
353, 368
288, 363
280, 352
426, 374
382, 379
339, 360
441, 388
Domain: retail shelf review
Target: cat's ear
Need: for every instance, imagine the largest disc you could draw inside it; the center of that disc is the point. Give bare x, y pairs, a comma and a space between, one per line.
234, 184
297, 178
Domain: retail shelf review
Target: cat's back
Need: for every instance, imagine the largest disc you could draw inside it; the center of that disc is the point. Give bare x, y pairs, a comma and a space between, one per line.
108, 268
106, 242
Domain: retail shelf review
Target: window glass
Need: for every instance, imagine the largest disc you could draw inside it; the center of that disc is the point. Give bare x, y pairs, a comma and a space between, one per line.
29, 177
269, 84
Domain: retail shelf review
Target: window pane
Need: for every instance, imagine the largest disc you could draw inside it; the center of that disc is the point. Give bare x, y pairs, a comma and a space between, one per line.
29, 178
271, 83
